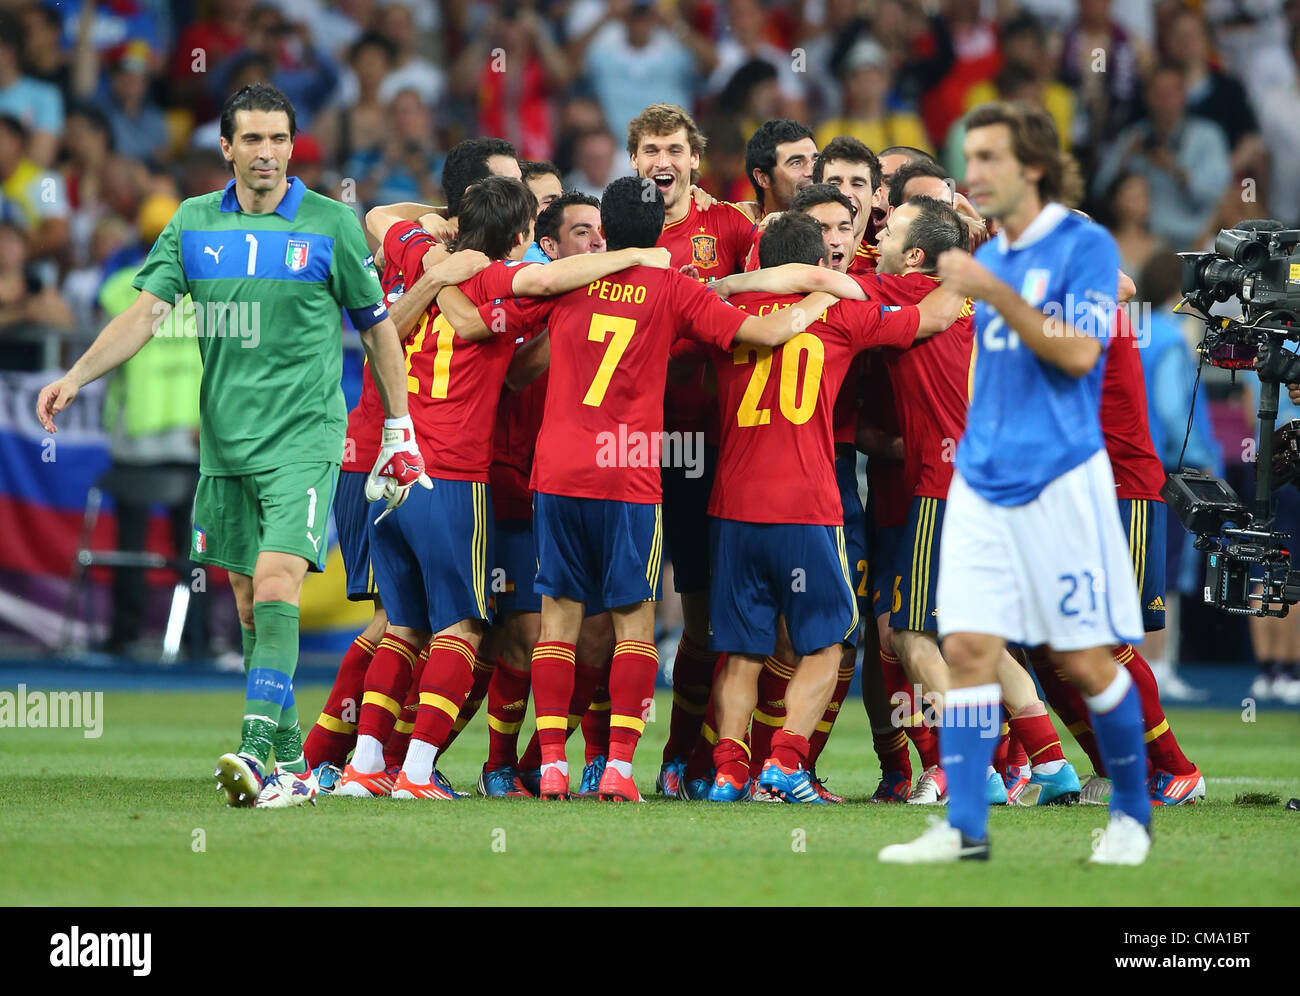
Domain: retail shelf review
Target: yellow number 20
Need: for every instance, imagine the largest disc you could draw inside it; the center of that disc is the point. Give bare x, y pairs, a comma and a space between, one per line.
601, 326
798, 395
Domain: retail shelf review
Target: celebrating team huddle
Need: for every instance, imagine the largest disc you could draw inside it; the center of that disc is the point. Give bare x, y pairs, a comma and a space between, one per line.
596, 388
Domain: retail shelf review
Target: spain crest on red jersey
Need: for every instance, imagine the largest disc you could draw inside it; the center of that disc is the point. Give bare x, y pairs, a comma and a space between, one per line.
704, 250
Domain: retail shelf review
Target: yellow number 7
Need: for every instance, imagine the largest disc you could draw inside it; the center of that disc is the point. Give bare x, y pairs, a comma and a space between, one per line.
600, 326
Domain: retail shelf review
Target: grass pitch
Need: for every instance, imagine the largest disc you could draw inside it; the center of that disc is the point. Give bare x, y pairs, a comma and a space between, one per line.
133, 818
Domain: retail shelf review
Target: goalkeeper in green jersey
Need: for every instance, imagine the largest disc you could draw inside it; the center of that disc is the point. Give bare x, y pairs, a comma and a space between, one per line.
268, 265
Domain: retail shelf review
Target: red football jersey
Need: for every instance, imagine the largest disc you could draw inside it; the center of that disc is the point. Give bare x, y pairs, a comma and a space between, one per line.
777, 409
602, 429
1133, 461
519, 417
454, 386
931, 386
864, 259
715, 242
366, 420
887, 487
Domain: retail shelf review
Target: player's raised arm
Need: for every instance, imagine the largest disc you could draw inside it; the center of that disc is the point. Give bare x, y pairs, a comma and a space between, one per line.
461, 313
939, 309
572, 272
116, 343
381, 218
1059, 342
791, 278
784, 324
447, 271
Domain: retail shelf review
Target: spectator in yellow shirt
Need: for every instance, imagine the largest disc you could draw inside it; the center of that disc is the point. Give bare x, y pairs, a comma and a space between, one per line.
1024, 45
868, 116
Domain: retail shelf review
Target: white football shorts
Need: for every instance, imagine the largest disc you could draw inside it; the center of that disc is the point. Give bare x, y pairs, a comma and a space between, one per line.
1055, 570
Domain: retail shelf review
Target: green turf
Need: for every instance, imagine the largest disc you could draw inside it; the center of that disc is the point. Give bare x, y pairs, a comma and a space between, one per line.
119, 820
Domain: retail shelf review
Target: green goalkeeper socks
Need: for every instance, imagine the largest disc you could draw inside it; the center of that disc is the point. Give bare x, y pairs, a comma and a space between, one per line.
271, 663
287, 739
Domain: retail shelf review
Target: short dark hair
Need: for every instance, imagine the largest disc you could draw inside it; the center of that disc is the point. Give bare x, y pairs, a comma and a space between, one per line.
1025, 24
372, 39
935, 229
255, 97
820, 193
848, 149
530, 168
910, 171
911, 151
492, 213
791, 238
11, 31
14, 125
1034, 142
631, 213
550, 220
466, 163
760, 152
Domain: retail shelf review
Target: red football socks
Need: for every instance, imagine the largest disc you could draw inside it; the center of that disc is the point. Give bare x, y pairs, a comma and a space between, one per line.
507, 702
388, 679
397, 742
631, 691
823, 732
478, 692
1033, 728
789, 750
595, 723
731, 759
553, 680
335, 732
1162, 746
692, 680
769, 714
447, 679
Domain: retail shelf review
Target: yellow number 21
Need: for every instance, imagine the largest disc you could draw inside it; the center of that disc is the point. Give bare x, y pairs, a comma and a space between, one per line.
601, 325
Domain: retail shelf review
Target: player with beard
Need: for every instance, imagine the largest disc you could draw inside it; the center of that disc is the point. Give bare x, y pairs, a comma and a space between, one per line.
779, 162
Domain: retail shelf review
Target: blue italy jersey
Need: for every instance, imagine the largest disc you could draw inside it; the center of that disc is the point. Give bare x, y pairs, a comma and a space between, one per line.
1029, 421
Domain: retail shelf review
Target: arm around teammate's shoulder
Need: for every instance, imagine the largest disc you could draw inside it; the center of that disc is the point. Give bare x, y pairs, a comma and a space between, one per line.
572, 272
783, 324
116, 343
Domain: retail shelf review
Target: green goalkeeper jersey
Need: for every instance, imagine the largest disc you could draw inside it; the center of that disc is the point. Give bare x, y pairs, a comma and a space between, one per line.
267, 292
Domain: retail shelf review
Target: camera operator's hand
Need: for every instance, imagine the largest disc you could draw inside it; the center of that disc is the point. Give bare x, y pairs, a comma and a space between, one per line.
1293, 390
1277, 365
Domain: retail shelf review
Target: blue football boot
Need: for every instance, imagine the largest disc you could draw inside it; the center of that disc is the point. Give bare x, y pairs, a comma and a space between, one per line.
591, 776
1059, 789
791, 786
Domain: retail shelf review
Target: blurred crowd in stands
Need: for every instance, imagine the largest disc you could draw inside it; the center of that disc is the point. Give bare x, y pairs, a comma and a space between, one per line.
1183, 115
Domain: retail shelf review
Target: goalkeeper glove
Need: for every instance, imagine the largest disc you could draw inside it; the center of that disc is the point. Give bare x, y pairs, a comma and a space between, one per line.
398, 466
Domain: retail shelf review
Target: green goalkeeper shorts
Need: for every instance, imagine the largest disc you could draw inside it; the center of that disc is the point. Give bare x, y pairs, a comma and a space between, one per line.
285, 510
